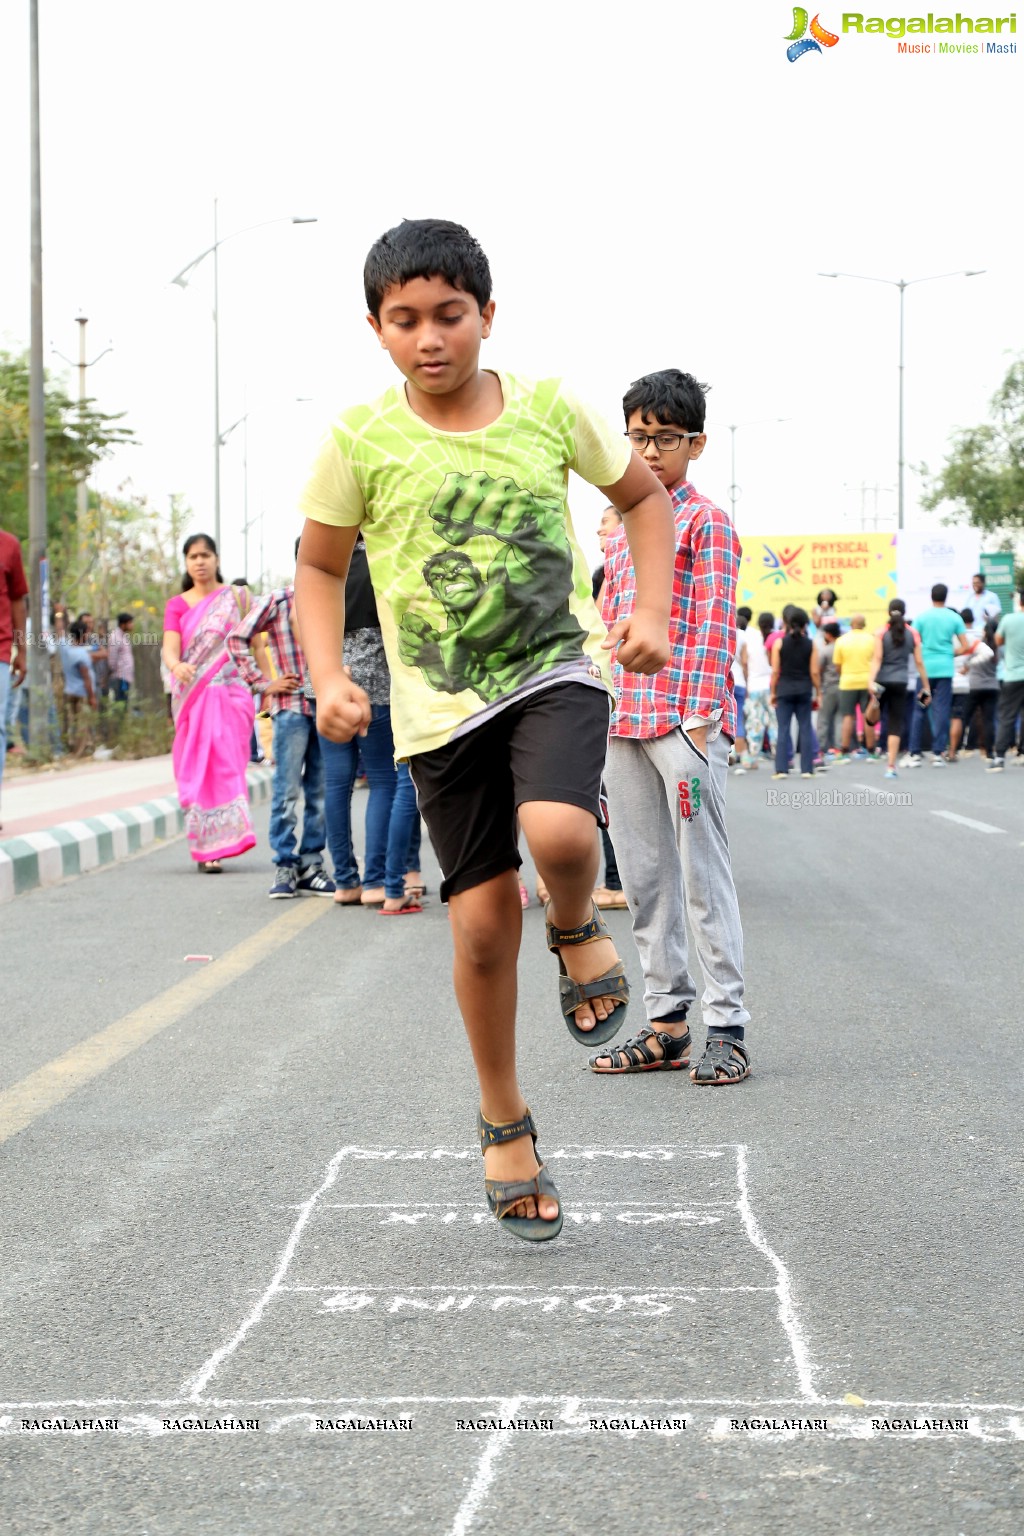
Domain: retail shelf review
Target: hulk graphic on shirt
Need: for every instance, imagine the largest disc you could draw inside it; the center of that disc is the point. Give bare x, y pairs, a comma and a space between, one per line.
509, 622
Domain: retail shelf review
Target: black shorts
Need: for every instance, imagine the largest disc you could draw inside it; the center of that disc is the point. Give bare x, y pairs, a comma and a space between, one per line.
550, 746
849, 698
962, 706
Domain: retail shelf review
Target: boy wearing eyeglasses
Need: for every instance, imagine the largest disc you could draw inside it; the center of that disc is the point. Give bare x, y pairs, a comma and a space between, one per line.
668, 759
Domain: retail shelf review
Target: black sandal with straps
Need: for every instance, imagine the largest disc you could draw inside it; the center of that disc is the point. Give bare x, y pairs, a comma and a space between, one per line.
573, 994
724, 1061
640, 1058
503, 1198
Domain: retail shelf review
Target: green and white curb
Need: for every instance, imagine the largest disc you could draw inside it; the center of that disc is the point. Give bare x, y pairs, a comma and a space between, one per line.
73, 847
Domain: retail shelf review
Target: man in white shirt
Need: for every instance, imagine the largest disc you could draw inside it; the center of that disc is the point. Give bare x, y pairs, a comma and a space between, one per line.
984, 604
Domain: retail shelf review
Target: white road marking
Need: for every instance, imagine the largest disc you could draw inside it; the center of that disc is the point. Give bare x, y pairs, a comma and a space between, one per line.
784, 1290
486, 1467
198, 1383
968, 821
707, 1419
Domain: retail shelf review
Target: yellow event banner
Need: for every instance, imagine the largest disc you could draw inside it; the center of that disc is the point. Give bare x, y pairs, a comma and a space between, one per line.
859, 567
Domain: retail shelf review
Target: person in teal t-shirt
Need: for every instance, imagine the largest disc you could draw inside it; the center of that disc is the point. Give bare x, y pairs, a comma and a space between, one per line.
1010, 635
942, 633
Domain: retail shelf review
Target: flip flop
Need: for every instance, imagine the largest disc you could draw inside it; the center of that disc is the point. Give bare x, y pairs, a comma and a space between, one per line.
407, 908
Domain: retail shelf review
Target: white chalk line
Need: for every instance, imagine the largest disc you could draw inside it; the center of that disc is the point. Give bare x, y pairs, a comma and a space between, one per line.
495, 1399
594, 1289
569, 1417
478, 1489
199, 1382
409, 1205
663, 1152
784, 1289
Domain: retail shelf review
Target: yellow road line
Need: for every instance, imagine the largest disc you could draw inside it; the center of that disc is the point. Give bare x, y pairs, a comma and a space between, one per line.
63, 1076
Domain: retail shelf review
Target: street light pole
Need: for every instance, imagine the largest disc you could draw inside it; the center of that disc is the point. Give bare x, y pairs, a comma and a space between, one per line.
902, 283
82, 488
182, 280
38, 662
243, 422
734, 489
216, 381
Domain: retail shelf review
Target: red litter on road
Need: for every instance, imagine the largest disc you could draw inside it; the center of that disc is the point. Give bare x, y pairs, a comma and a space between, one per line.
199, 958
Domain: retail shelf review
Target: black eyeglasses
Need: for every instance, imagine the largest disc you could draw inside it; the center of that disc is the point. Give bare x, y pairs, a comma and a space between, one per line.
665, 442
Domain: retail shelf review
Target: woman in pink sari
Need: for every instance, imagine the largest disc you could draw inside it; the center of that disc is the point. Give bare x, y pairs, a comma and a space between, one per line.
213, 709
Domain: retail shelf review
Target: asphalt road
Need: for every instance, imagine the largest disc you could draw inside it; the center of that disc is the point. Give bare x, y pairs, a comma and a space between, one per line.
249, 1190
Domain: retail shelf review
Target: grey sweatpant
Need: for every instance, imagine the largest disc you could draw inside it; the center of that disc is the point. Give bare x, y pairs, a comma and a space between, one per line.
667, 805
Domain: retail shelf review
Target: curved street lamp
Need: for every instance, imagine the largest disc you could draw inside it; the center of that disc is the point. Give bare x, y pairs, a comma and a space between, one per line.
182, 279
902, 283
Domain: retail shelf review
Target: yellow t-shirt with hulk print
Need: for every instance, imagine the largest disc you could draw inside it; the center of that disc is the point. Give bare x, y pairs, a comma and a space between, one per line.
483, 592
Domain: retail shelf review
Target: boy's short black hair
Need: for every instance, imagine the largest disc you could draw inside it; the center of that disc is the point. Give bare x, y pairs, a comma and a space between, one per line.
832, 629
940, 592
426, 248
126, 618
673, 397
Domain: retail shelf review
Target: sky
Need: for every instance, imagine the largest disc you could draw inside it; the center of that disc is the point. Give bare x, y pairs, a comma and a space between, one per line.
653, 189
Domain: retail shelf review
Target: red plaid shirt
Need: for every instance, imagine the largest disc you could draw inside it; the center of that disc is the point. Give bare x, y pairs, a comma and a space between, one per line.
271, 616
702, 625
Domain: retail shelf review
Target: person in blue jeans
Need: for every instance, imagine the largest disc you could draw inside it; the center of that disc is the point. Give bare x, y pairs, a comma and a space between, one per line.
298, 764
795, 685
943, 637
341, 763
392, 818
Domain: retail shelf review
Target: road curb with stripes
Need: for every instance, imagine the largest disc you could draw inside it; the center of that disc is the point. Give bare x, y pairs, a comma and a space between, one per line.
73, 847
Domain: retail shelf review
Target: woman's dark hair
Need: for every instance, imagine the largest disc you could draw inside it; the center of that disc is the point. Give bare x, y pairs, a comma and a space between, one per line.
796, 619
991, 625
897, 623
766, 623
425, 248
198, 538
676, 398
832, 596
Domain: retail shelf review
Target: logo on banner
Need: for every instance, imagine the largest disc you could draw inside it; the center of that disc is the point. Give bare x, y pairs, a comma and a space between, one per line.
782, 566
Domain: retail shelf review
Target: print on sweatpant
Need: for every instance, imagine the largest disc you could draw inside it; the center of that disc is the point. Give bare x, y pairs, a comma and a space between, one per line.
647, 811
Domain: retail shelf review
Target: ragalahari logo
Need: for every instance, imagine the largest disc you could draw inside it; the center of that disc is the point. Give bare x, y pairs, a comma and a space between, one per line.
800, 43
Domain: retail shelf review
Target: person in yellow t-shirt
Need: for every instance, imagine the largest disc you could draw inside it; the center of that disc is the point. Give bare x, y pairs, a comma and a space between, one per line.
500, 682
853, 655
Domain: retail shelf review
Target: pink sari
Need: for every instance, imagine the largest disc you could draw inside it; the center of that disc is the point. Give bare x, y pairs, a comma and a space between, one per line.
213, 719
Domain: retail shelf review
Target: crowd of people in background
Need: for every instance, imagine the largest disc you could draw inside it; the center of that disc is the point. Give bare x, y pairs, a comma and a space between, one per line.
92, 677
826, 689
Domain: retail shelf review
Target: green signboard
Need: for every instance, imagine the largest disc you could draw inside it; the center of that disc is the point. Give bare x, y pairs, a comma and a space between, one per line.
997, 570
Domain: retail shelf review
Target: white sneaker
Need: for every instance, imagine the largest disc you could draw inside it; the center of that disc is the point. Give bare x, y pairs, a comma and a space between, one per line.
939, 762
906, 761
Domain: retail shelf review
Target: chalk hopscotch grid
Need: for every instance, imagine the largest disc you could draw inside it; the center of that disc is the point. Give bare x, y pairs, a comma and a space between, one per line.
194, 1388
497, 1442
989, 1422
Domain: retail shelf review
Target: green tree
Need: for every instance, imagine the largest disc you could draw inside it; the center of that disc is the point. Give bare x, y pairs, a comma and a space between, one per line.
983, 476
77, 438
135, 556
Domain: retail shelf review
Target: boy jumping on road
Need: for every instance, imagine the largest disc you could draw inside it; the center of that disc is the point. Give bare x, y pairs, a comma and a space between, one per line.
500, 688
668, 759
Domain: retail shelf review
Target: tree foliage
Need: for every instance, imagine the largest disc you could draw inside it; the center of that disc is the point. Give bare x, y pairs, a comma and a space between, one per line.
133, 557
983, 476
77, 438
